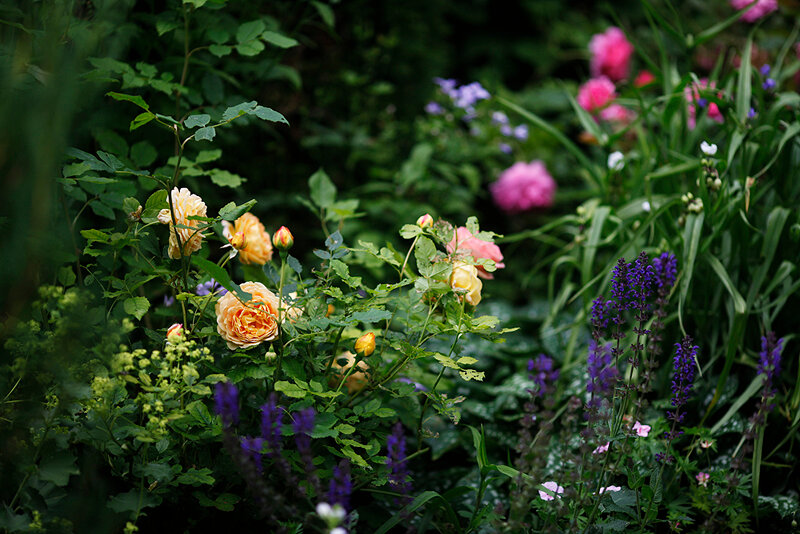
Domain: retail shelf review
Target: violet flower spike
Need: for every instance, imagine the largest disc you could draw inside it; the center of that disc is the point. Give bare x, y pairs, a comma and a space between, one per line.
683, 378
271, 424
252, 448
341, 485
396, 460
542, 373
226, 402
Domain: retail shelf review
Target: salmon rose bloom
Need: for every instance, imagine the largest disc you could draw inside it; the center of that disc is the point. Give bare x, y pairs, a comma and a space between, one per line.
247, 325
466, 243
257, 246
185, 205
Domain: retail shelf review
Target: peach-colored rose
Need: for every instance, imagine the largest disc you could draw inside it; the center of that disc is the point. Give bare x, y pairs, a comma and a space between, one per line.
185, 205
465, 242
257, 246
464, 280
247, 325
357, 379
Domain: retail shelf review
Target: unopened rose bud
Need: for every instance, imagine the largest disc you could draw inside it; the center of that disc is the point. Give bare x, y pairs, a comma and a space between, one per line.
238, 240
135, 216
365, 345
175, 333
425, 221
283, 239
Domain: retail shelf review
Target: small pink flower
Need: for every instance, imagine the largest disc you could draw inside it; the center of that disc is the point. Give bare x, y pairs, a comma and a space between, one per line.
692, 94
611, 54
602, 448
175, 333
706, 443
644, 78
617, 113
641, 430
554, 488
464, 241
702, 479
761, 9
596, 94
524, 186
610, 488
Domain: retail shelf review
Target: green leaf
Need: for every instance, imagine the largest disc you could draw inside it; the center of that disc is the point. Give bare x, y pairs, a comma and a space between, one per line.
691, 243
135, 99
205, 134
268, 114
290, 390
743, 84
205, 156
196, 477
409, 231
136, 306
193, 121
220, 50
163, 26
278, 39
133, 501
143, 154
738, 301
325, 12
231, 212
323, 192
250, 31
141, 119
751, 390
58, 468
221, 276
250, 48
422, 499
371, 316
224, 178
237, 110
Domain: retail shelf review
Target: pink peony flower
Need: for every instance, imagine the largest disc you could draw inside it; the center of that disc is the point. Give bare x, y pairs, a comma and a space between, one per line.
524, 186
554, 488
596, 94
641, 430
702, 479
644, 78
464, 241
602, 448
611, 54
761, 9
692, 94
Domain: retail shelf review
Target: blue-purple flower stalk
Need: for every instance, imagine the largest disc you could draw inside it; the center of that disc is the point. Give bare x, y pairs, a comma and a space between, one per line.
252, 447
769, 365
271, 424
303, 425
602, 373
212, 286
542, 373
684, 366
396, 460
226, 402
341, 485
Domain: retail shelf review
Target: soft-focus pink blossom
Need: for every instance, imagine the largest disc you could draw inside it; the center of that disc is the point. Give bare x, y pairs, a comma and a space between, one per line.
617, 114
611, 54
641, 430
602, 448
644, 78
609, 488
465, 242
761, 9
554, 488
702, 479
692, 94
524, 186
596, 94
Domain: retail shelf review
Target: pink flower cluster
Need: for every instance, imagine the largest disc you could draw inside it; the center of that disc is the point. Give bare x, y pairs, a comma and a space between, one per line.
760, 10
464, 241
611, 54
692, 94
524, 186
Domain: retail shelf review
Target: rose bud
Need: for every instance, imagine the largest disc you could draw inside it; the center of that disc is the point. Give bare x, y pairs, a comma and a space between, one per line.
365, 345
425, 221
175, 333
283, 239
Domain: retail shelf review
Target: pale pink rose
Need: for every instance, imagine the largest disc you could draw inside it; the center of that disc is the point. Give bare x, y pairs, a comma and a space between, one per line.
596, 94
611, 54
554, 488
641, 430
465, 242
761, 9
602, 448
692, 94
524, 186
617, 114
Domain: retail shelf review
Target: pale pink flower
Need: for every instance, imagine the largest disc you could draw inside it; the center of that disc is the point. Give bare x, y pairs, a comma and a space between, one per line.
611, 54
602, 448
702, 479
596, 94
761, 9
465, 242
641, 430
554, 488
706, 443
610, 488
616, 113
692, 94
524, 186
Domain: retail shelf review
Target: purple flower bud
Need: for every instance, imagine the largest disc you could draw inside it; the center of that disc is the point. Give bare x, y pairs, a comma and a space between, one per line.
542, 373
209, 287
521, 132
498, 117
764, 70
505, 148
433, 108
769, 84
665, 270
751, 114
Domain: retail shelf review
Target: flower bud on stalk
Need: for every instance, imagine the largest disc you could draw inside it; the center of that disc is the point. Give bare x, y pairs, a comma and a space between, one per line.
283, 239
425, 221
175, 333
365, 345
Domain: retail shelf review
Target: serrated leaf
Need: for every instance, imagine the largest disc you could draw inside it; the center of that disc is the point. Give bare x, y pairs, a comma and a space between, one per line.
141, 119
205, 156
224, 178
193, 121
58, 468
231, 212
239, 109
250, 48
323, 192
268, 114
279, 39
205, 134
371, 316
135, 99
136, 306
132, 501
289, 389
196, 477
249, 31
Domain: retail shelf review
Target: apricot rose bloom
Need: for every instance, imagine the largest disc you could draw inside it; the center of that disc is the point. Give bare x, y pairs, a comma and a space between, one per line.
185, 205
247, 325
464, 280
257, 246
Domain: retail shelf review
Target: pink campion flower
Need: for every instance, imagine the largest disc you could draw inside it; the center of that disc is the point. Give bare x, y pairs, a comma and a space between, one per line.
611, 54
596, 94
554, 488
644, 78
692, 94
609, 488
702, 479
602, 448
465, 242
617, 114
641, 430
760, 10
524, 186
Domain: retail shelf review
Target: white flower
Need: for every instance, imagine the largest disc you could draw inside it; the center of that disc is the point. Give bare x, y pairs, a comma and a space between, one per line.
616, 161
646, 206
554, 488
338, 530
708, 149
324, 509
610, 488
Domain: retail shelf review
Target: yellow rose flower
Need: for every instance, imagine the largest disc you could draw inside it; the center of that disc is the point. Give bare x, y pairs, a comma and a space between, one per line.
357, 379
466, 283
185, 205
257, 247
247, 325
